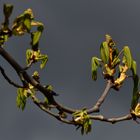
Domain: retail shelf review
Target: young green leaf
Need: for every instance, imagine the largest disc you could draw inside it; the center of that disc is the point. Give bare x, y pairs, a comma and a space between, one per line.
83, 120
134, 68
128, 56
27, 23
29, 53
43, 62
94, 65
35, 37
22, 24
43, 59
104, 52
21, 98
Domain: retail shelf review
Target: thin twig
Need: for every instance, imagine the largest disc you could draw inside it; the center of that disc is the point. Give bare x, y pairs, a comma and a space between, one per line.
57, 116
96, 107
28, 66
112, 120
93, 117
8, 79
23, 74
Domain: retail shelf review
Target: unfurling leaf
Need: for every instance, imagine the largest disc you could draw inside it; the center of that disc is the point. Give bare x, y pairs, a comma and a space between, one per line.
134, 68
35, 56
104, 52
5, 31
29, 54
128, 56
21, 98
94, 65
43, 61
35, 37
83, 121
22, 24
136, 94
27, 23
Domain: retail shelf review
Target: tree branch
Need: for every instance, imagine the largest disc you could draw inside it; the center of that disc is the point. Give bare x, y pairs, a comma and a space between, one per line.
43, 108
112, 120
93, 117
28, 66
21, 72
8, 79
43, 90
102, 98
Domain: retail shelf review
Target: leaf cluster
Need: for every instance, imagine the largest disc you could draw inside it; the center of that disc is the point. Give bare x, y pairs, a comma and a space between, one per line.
83, 121
115, 65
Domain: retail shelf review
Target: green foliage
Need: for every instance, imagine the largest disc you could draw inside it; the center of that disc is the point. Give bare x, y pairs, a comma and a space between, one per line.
21, 98
35, 36
111, 62
104, 52
134, 68
43, 59
22, 24
23, 94
94, 65
5, 32
35, 56
128, 56
29, 54
83, 121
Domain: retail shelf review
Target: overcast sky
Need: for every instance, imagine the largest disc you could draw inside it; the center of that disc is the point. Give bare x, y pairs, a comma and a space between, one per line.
73, 32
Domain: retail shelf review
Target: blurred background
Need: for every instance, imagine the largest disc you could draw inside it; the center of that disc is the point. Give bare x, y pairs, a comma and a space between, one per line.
73, 32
